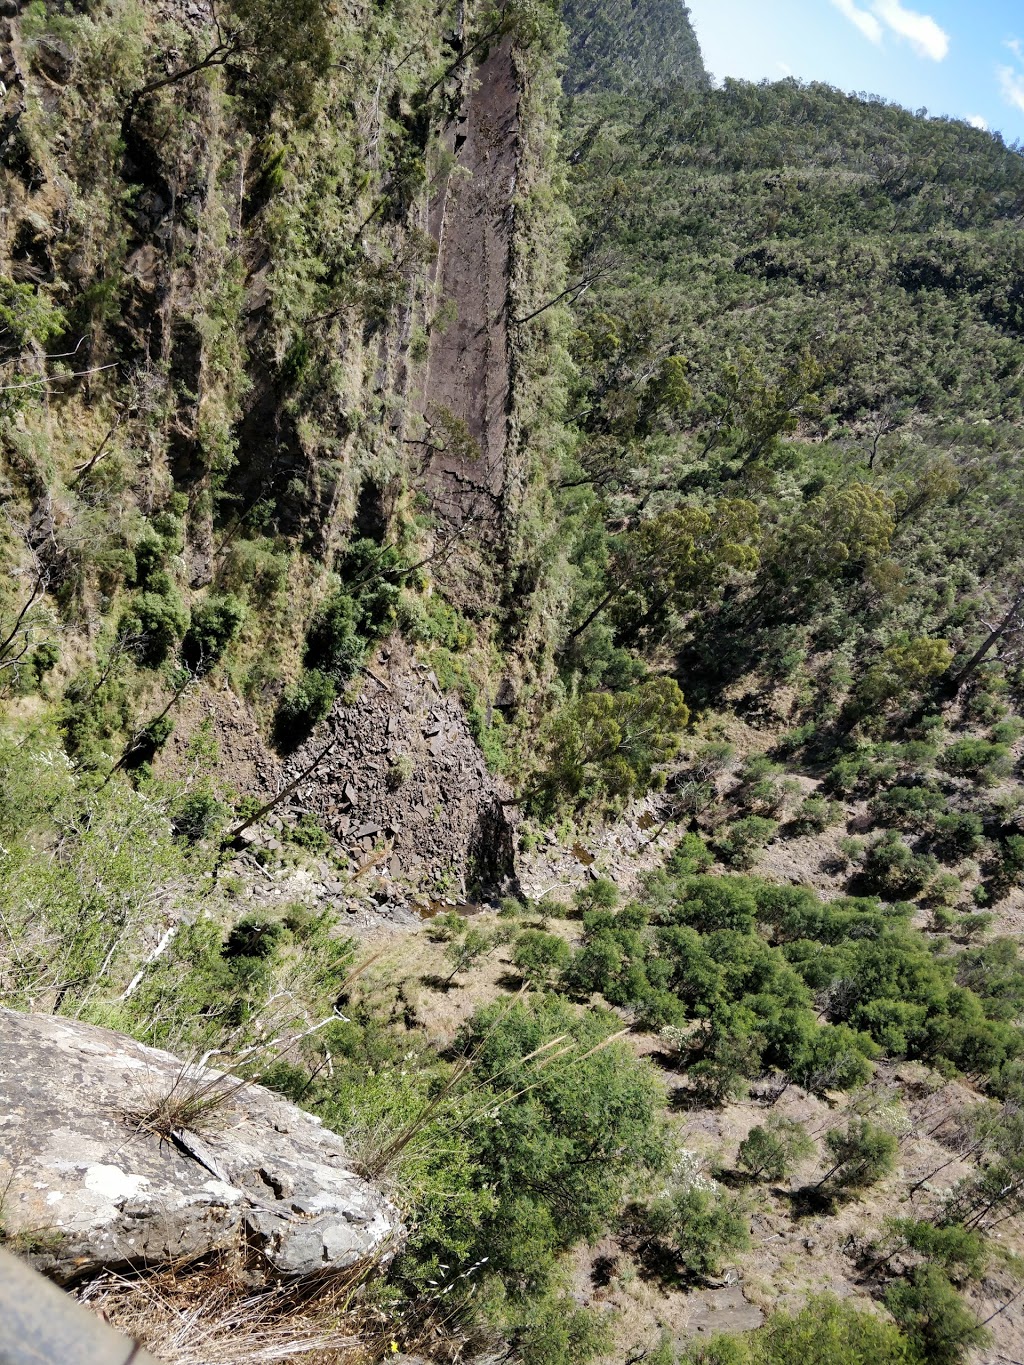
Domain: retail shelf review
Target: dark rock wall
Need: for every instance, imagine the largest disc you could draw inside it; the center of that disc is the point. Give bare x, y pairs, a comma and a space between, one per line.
469, 368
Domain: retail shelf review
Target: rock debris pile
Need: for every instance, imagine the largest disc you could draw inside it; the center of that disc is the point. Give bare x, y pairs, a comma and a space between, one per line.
405, 788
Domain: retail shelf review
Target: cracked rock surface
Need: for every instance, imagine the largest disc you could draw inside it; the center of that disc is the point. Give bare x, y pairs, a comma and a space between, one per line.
86, 1186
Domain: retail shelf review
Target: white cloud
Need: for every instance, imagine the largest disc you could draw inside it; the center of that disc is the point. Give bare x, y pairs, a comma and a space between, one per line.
1011, 86
976, 121
920, 30
867, 23
1011, 80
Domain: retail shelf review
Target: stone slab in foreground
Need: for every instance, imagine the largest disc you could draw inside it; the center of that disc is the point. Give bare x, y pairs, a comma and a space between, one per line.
84, 1186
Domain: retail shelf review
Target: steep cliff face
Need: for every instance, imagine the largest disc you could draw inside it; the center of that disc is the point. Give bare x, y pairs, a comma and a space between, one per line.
469, 368
255, 271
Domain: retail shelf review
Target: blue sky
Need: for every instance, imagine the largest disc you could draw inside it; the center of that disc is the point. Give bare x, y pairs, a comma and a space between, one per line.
962, 58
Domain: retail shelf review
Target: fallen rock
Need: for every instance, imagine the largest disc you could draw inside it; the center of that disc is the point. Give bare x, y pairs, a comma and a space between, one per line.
53, 58
442, 809
89, 1187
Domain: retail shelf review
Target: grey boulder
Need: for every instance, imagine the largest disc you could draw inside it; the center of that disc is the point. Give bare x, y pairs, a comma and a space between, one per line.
86, 1185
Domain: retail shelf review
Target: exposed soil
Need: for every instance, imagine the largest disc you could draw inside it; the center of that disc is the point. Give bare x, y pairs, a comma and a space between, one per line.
244, 762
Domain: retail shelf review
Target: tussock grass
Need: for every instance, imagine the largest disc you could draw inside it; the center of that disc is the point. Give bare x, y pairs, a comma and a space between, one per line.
210, 1316
194, 1100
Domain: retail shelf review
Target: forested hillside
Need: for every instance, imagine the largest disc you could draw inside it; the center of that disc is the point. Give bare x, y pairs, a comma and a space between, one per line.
512, 637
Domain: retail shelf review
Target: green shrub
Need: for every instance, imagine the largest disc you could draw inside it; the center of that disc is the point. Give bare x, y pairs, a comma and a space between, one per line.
744, 840
978, 759
153, 624
984, 707
600, 894
334, 645
953, 1247
538, 956
256, 568
432, 620
309, 834
44, 659
958, 835
691, 855
197, 815
774, 1148
700, 1226
215, 623
400, 770
555, 1330
1011, 859
815, 814
467, 949
302, 706
255, 937
894, 870
860, 773
577, 1136
760, 788
938, 1325
861, 1154
827, 1331
1007, 731
909, 808
149, 554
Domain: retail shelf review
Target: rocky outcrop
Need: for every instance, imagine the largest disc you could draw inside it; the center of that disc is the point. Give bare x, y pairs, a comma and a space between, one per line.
405, 787
88, 1185
469, 372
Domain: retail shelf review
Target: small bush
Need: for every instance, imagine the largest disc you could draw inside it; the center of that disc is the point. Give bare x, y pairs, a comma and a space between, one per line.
862, 1154
773, 1149
851, 849
893, 870
1007, 731
334, 645
958, 835
44, 659
984, 707
760, 789
701, 1226
601, 894
303, 705
310, 834
153, 624
197, 815
744, 840
255, 936
690, 857
1011, 859
538, 956
215, 623
939, 1326
815, 814
978, 759
909, 808
400, 770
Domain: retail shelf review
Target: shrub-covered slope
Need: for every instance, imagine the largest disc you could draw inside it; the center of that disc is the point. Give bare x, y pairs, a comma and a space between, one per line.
677, 430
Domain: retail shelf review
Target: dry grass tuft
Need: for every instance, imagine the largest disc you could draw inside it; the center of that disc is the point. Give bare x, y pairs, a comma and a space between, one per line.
195, 1100
208, 1316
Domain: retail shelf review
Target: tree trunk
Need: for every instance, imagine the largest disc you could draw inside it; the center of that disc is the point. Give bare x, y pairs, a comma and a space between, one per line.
994, 636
